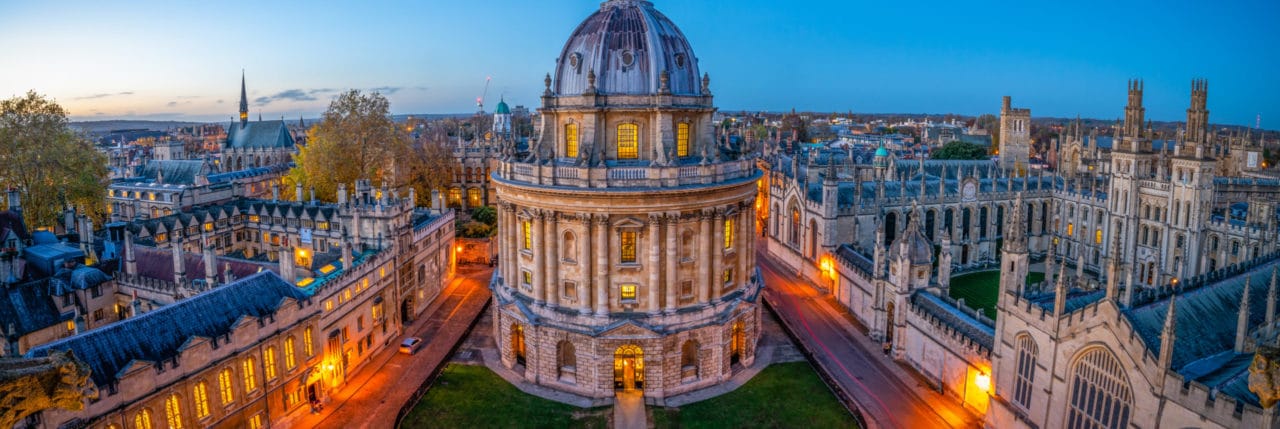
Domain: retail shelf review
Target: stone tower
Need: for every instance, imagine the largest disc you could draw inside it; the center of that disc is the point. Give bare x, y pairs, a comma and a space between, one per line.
1015, 137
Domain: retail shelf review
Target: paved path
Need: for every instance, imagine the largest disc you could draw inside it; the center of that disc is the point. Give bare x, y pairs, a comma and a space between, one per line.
628, 411
886, 392
374, 395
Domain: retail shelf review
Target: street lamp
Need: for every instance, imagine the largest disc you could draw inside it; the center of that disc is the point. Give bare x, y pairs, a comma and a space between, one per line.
983, 382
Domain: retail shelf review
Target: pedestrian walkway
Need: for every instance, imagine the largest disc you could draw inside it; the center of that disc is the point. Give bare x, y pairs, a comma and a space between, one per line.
628, 410
373, 396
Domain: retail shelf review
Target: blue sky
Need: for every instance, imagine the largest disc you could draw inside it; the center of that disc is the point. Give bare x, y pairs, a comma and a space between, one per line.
182, 60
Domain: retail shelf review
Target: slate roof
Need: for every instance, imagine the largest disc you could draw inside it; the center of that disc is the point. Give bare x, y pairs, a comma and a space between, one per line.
177, 172
29, 307
259, 135
10, 221
953, 317
158, 264
161, 334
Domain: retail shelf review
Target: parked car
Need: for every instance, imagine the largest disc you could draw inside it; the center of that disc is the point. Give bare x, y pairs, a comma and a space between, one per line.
410, 345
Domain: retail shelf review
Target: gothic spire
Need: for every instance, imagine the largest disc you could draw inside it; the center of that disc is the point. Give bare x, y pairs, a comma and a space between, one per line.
1271, 297
1168, 335
1060, 292
1015, 235
244, 102
1242, 319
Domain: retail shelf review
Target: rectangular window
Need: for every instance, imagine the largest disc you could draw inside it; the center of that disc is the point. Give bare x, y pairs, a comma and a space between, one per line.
728, 234
728, 276
526, 229
686, 289
682, 139
1070, 229
1097, 236
628, 141
526, 278
628, 293
256, 421
570, 291
628, 247
97, 315
328, 305
571, 140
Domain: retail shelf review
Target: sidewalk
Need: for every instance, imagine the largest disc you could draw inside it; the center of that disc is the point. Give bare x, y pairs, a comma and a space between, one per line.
373, 396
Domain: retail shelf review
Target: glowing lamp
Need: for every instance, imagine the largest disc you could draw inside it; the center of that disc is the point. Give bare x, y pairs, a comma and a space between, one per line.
457, 249
983, 382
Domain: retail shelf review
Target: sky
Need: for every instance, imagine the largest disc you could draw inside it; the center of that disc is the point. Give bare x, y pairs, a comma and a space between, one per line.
182, 60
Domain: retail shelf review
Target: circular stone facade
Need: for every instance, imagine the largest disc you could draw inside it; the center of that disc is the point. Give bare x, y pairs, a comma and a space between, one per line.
627, 248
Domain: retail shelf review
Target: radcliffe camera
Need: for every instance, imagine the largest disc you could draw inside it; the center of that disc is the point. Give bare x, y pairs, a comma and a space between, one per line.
639, 214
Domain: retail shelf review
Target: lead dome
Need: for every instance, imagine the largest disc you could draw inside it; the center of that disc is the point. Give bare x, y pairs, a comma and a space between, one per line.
627, 44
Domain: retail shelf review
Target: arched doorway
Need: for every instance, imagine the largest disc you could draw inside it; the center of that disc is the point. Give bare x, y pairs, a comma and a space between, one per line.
888, 328
517, 342
736, 340
406, 310
628, 368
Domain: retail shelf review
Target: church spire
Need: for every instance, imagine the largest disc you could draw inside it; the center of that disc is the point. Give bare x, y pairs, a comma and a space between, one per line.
244, 102
1168, 335
1242, 319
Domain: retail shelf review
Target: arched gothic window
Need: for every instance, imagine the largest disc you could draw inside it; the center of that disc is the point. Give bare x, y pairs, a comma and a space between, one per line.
1100, 393
1025, 371
795, 227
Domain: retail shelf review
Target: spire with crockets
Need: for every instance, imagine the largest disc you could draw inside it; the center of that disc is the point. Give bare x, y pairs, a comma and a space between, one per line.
244, 102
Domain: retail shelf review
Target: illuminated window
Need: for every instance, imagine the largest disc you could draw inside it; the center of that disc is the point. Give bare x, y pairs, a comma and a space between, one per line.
71, 325
224, 386
250, 383
628, 293
347, 294
526, 278
628, 141
162, 237
289, 361
208, 226
628, 248
455, 197
255, 422
571, 140
728, 276
474, 198
1097, 236
1070, 229
728, 234
526, 229
306, 342
328, 305
201, 396
682, 139
173, 411
269, 363
322, 225
143, 419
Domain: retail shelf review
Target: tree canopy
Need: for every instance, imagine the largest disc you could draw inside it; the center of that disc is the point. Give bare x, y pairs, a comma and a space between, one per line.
357, 138
960, 150
52, 165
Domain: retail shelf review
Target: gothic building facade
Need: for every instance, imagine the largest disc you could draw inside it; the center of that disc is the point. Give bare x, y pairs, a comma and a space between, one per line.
1146, 316
627, 259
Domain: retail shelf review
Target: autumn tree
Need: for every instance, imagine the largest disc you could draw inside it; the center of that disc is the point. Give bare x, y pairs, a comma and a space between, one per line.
53, 166
357, 138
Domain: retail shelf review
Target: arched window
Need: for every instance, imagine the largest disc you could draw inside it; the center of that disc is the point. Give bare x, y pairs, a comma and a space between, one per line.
566, 362
813, 238
250, 382
474, 198
628, 141
173, 411
1025, 371
142, 420
224, 386
777, 213
689, 360
306, 342
682, 139
571, 140
269, 363
795, 227
569, 251
1100, 394
201, 396
728, 233
627, 247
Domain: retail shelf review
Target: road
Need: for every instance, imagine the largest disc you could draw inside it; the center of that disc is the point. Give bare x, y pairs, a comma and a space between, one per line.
374, 395
885, 391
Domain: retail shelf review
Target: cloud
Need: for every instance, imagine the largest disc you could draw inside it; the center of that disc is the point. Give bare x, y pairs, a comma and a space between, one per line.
288, 94
172, 103
321, 90
96, 96
221, 101
386, 90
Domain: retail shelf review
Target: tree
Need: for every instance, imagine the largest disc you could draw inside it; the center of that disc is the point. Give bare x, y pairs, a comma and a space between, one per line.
991, 123
960, 150
357, 139
52, 165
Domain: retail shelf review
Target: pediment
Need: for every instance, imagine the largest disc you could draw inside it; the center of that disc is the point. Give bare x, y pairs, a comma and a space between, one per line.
629, 330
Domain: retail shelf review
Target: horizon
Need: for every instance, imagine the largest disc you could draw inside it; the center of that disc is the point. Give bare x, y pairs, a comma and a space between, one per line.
182, 61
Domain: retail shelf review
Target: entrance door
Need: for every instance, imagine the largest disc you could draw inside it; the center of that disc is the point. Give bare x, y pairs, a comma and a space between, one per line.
517, 343
736, 339
628, 368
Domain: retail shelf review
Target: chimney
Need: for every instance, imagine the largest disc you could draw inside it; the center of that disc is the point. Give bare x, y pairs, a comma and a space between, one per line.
437, 206
297, 192
131, 263
210, 265
179, 262
285, 256
313, 195
275, 192
15, 200
342, 193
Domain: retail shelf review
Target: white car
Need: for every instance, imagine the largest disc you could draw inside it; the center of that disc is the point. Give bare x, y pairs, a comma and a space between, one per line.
410, 345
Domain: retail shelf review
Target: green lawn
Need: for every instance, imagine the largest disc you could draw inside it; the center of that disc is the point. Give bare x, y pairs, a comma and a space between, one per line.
470, 396
979, 289
784, 395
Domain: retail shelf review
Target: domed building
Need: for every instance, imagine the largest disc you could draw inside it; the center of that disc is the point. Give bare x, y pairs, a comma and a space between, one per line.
627, 247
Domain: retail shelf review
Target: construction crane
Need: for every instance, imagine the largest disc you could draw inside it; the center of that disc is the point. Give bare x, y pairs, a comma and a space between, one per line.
480, 100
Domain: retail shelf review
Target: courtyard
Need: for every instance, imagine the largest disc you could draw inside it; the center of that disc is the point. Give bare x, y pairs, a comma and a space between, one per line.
979, 289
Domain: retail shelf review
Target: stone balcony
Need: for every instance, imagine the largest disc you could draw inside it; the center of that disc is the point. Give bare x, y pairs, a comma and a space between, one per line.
625, 175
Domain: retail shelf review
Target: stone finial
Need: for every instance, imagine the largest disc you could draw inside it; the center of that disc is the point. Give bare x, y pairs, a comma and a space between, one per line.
664, 80
591, 82
706, 84
547, 83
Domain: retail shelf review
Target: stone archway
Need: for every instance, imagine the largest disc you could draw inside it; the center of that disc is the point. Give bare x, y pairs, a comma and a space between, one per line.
517, 343
737, 340
628, 368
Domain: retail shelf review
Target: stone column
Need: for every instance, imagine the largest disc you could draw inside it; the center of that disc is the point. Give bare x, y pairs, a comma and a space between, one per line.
552, 251
653, 265
704, 257
584, 286
672, 283
602, 265
511, 258
539, 258
717, 256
